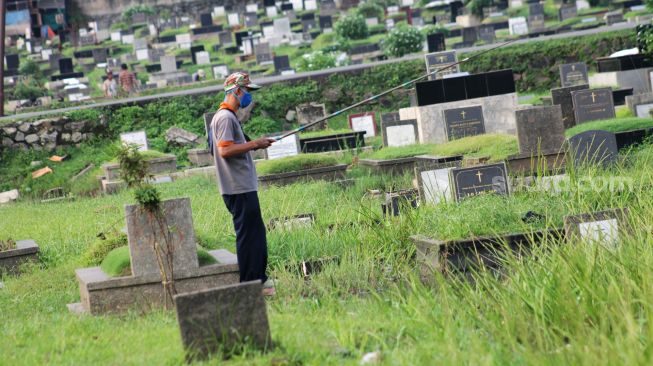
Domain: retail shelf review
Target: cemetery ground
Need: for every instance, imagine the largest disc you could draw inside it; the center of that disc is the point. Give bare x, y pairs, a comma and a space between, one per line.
566, 302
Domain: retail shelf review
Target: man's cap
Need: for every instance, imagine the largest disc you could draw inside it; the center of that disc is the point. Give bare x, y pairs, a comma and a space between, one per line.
239, 79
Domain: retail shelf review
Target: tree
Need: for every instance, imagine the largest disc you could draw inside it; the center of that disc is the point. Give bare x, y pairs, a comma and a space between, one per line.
352, 26
370, 9
402, 40
476, 6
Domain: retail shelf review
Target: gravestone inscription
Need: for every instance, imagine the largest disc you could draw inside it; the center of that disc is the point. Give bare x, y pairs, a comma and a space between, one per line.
480, 179
463, 122
287, 146
593, 104
399, 132
604, 228
438, 60
363, 122
573, 74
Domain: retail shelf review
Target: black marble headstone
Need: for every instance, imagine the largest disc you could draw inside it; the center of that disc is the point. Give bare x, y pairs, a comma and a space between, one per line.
454, 89
439, 61
99, 55
436, 42
480, 179
594, 147
536, 9
286, 7
281, 63
268, 3
326, 22
562, 97
567, 11
470, 35
206, 20
308, 25
500, 82
240, 36
65, 65
463, 122
390, 117
593, 104
573, 74
454, 9
13, 62
194, 50
487, 33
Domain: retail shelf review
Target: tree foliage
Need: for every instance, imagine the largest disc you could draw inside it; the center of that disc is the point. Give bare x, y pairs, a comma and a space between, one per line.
402, 40
352, 26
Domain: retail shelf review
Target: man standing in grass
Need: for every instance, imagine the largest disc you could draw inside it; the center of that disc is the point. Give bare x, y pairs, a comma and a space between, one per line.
237, 179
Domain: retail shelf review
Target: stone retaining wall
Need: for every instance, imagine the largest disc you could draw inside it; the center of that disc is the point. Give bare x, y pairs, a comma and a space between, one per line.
47, 134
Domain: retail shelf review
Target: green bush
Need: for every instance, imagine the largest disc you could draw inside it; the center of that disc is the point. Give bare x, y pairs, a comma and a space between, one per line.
435, 28
28, 89
370, 9
351, 26
316, 61
402, 40
259, 126
117, 262
101, 247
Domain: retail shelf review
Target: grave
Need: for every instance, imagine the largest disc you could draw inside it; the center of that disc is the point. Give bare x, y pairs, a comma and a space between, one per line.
220, 71
138, 138
100, 55
480, 179
336, 142
399, 132
562, 97
282, 27
432, 173
12, 62
143, 290
613, 17
206, 20
263, 53
24, 252
463, 122
439, 60
363, 122
292, 222
225, 38
202, 58
594, 148
573, 74
436, 42
233, 19
540, 129
487, 33
593, 104
326, 23
518, 26
288, 146
605, 228
395, 202
333, 173
168, 64
184, 41
640, 104
311, 112
567, 11
470, 36
493, 91
222, 318
251, 20
536, 23
66, 66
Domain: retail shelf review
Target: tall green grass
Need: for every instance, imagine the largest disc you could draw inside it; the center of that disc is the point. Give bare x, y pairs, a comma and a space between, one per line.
294, 163
612, 125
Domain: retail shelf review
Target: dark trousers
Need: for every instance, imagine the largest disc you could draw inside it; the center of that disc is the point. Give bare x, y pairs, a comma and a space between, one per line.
251, 244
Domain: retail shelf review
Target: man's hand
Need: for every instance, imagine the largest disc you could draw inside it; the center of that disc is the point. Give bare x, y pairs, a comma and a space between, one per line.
263, 143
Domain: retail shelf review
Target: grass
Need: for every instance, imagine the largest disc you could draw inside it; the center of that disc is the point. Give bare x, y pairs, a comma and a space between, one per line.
117, 262
147, 155
294, 163
570, 304
495, 146
8, 244
325, 132
612, 125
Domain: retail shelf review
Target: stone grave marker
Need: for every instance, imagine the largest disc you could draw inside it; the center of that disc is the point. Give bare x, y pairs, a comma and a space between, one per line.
436, 42
435, 186
308, 25
282, 27
233, 19
66, 66
573, 74
470, 35
139, 138
297, 5
463, 122
140, 43
168, 64
567, 11
536, 23
206, 20
251, 20
45, 54
540, 129
593, 104
480, 179
363, 122
287, 8
281, 63
271, 11
487, 33
292, 222
116, 36
399, 132
219, 11
127, 39
310, 5
99, 55
326, 22
220, 71
251, 8
518, 26
202, 58
594, 148
640, 104
614, 17
12, 62
562, 97
604, 228
287, 146
372, 21
184, 41
222, 318
438, 60
225, 38
395, 202
263, 53
311, 112
180, 243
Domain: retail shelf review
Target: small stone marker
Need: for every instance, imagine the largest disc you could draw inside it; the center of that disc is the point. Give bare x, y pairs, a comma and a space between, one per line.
400, 133
593, 104
9, 196
363, 122
463, 122
567, 11
573, 74
396, 201
292, 222
480, 179
144, 230
435, 186
594, 147
603, 228
168, 64
540, 129
562, 97
233, 19
287, 146
311, 112
222, 318
438, 60
487, 33
139, 138
640, 104
518, 26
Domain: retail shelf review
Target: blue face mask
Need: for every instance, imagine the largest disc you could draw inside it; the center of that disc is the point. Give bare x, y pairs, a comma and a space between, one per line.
245, 100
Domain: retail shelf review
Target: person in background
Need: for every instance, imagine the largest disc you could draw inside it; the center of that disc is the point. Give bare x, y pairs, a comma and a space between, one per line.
110, 87
127, 80
238, 181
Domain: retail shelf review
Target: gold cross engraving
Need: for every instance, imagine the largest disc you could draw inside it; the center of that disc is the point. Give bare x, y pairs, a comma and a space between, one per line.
593, 97
479, 175
573, 67
462, 114
442, 58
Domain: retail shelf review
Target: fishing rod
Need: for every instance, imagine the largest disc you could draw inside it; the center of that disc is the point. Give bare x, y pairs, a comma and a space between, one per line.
404, 85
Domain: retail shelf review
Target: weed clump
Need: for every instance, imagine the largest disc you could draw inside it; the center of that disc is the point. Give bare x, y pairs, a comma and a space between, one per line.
8, 244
